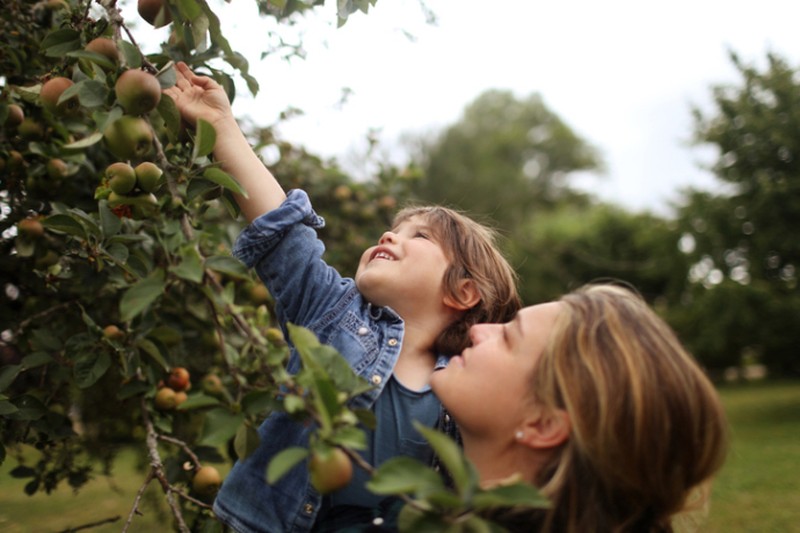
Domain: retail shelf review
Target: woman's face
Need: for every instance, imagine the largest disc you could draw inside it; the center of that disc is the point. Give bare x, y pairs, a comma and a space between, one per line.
487, 387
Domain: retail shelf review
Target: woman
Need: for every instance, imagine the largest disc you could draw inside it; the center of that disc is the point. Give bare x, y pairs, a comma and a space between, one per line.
595, 402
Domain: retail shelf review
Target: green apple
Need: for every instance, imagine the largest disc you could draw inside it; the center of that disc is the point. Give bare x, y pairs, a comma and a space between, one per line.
147, 176
121, 177
155, 12
129, 137
50, 93
138, 92
330, 470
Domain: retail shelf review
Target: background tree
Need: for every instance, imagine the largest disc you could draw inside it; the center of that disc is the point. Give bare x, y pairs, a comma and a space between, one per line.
125, 320
505, 159
743, 243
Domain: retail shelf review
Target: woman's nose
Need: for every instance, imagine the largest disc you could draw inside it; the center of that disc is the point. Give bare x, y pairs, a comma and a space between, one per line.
478, 332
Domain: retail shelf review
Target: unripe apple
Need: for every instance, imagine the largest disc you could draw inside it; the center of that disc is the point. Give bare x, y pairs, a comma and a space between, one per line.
30, 130
178, 379
51, 92
259, 294
180, 397
105, 47
15, 161
112, 332
121, 177
129, 137
206, 481
138, 92
57, 169
165, 399
30, 227
330, 471
147, 175
155, 12
212, 384
15, 116
275, 336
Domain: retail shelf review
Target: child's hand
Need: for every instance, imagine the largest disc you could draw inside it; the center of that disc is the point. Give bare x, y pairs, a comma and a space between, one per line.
199, 97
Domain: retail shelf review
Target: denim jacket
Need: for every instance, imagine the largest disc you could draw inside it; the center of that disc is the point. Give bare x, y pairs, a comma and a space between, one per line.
284, 248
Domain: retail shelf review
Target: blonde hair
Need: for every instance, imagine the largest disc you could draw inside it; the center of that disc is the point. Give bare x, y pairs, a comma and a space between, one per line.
473, 253
647, 426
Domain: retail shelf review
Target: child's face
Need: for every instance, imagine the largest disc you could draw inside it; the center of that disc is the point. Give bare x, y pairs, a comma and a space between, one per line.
405, 269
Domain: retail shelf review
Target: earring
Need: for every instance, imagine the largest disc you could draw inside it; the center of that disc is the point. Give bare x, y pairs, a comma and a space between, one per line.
519, 435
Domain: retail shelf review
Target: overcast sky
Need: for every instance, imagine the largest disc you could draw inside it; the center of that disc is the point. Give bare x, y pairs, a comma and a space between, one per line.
622, 73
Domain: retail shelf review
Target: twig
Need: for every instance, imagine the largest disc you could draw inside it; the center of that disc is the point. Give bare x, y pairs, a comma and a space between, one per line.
157, 472
183, 446
91, 525
135, 508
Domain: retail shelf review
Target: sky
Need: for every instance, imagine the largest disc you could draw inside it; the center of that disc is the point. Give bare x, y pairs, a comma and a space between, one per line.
623, 74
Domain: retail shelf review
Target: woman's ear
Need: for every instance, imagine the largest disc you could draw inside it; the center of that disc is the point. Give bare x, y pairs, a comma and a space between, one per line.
466, 296
546, 428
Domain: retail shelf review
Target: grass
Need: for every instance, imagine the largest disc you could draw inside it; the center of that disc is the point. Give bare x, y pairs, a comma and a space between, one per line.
758, 489
102, 498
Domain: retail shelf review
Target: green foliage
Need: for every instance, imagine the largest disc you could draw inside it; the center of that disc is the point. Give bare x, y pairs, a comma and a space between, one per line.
741, 235
104, 293
504, 159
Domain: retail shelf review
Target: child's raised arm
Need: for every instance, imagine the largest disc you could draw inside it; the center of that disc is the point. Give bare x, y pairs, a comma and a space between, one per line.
200, 97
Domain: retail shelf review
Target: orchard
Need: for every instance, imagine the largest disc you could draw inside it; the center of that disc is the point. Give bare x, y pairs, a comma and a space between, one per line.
125, 320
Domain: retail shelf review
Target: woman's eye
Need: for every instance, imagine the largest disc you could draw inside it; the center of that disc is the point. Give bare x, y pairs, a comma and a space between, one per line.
421, 235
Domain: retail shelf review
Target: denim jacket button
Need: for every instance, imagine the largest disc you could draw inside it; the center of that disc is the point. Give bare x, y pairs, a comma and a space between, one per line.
376, 379
392, 342
363, 330
308, 508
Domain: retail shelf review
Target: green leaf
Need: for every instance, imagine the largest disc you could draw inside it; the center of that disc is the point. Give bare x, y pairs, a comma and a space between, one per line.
220, 426
151, 348
226, 264
404, 475
205, 139
220, 177
197, 401
284, 461
450, 455
7, 408
8, 374
166, 76
94, 57
119, 252
59, 42
246, 441
140, 295
22, 471
86, 142
91, 93
110, 224
36, 359
28, 408
350, 437
258, 402
172, 117
189, 9
90, 367
131, 53
65, 224
517, 495
191, 266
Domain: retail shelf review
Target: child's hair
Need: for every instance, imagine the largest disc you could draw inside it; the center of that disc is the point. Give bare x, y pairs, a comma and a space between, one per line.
473, 253
648, 427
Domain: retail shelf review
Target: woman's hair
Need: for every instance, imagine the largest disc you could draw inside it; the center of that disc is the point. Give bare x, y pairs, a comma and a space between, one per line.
473, 253
647, 426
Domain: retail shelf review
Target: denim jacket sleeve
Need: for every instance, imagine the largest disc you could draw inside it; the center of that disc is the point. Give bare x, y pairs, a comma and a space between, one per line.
283, 247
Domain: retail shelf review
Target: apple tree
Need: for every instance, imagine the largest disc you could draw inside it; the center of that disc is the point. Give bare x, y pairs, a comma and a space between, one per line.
124, 319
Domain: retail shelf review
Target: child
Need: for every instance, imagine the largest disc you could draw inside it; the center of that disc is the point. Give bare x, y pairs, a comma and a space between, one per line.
412, 301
